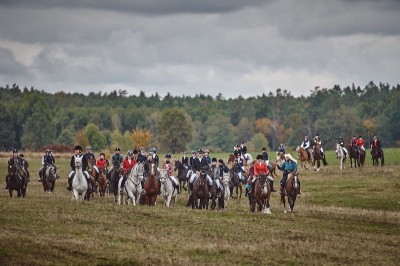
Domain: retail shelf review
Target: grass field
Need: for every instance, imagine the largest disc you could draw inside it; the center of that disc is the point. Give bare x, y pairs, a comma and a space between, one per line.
343, 217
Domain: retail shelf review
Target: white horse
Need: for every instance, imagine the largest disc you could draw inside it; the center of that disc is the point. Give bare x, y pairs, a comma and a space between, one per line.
79, 182
340, 155
248, 158
168, 191
133, 186
227, 191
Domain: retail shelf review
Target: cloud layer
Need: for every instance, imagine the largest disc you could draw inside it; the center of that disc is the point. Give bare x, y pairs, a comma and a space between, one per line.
188, 47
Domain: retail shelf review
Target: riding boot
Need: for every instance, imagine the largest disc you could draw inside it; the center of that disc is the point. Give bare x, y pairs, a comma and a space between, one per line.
6, 183
123, 183
191, 187
272, 187
324, 160
69, 188
299, 191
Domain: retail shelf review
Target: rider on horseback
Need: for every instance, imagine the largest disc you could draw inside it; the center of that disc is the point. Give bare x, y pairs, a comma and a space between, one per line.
207, 156
199, 163
91, 157
222, 169
185, 160
78, 152
341, 143
156, 159
282, 148
317, 141
288, 166
16, 161
47, 159
261, 167
167, 164
360, 143
306, 144
376, 144
102, 163
127, 166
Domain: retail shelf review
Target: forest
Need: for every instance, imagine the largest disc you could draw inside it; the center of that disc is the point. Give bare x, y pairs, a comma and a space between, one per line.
34, 120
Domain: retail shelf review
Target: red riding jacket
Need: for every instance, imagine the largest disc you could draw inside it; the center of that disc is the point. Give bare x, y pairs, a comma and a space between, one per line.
260, 169
126, 165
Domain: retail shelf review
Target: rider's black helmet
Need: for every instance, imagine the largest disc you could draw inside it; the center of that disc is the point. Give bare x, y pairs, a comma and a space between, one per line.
168, 155
78, 148
15, 151
117, 149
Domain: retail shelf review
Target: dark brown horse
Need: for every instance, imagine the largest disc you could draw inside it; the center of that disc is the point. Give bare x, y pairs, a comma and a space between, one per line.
362, 157
236, 183
217, 200
317, 156
290, 191
200, 191
376, 155
261, 195
354, 154
16, 181
115, 175
182, 174
92, 188
102, 182
49, 178
151, 187
231, 158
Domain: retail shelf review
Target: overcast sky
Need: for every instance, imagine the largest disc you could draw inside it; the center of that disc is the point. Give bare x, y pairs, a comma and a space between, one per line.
188, 47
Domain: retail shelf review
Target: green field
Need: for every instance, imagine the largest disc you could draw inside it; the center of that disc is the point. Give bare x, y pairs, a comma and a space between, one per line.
343, 217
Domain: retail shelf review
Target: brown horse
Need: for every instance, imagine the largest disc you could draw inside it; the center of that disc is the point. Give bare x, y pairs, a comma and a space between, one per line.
102, 182
200, 192
151, 187
261, 195
92, 184
16, 181
305, 161
317, 156
115, 175
362, 157
290, 191
231, 158
377, 154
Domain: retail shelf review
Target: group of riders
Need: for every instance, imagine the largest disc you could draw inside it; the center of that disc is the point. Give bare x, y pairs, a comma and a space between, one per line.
198, 161
21, 165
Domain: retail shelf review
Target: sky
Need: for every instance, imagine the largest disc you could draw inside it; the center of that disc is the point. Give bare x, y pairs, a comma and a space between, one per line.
192, 47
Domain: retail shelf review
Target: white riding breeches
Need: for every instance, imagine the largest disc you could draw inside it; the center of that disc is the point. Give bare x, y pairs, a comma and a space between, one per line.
174, 179
95, 168
194, 176
218, 183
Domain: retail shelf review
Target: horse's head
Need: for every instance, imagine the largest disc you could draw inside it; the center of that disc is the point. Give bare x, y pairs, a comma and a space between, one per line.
163, 175
139, 168
263, 183
53, 171
12, 169
78, 161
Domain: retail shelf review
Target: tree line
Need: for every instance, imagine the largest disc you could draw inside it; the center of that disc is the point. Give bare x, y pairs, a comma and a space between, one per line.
32, 119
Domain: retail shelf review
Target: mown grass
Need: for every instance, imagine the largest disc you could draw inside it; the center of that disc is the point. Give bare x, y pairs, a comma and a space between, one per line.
343, 217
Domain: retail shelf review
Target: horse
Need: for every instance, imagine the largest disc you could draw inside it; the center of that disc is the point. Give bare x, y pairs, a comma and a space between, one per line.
340, 154
151, 187
227, 191
102, 182
247, 158
133, 185
200, 191
261, 195
182, 174
49, 178
168, 190
231, 158
354, 155
290, 190
236, 183
79, 182
362, 157
16, 181
92, 178
115, 175
377, 154
305, 161
317, 156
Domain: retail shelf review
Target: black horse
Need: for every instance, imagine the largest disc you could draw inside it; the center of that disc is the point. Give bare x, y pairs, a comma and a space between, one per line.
182, 174
376, 155
17, 181
354, 154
